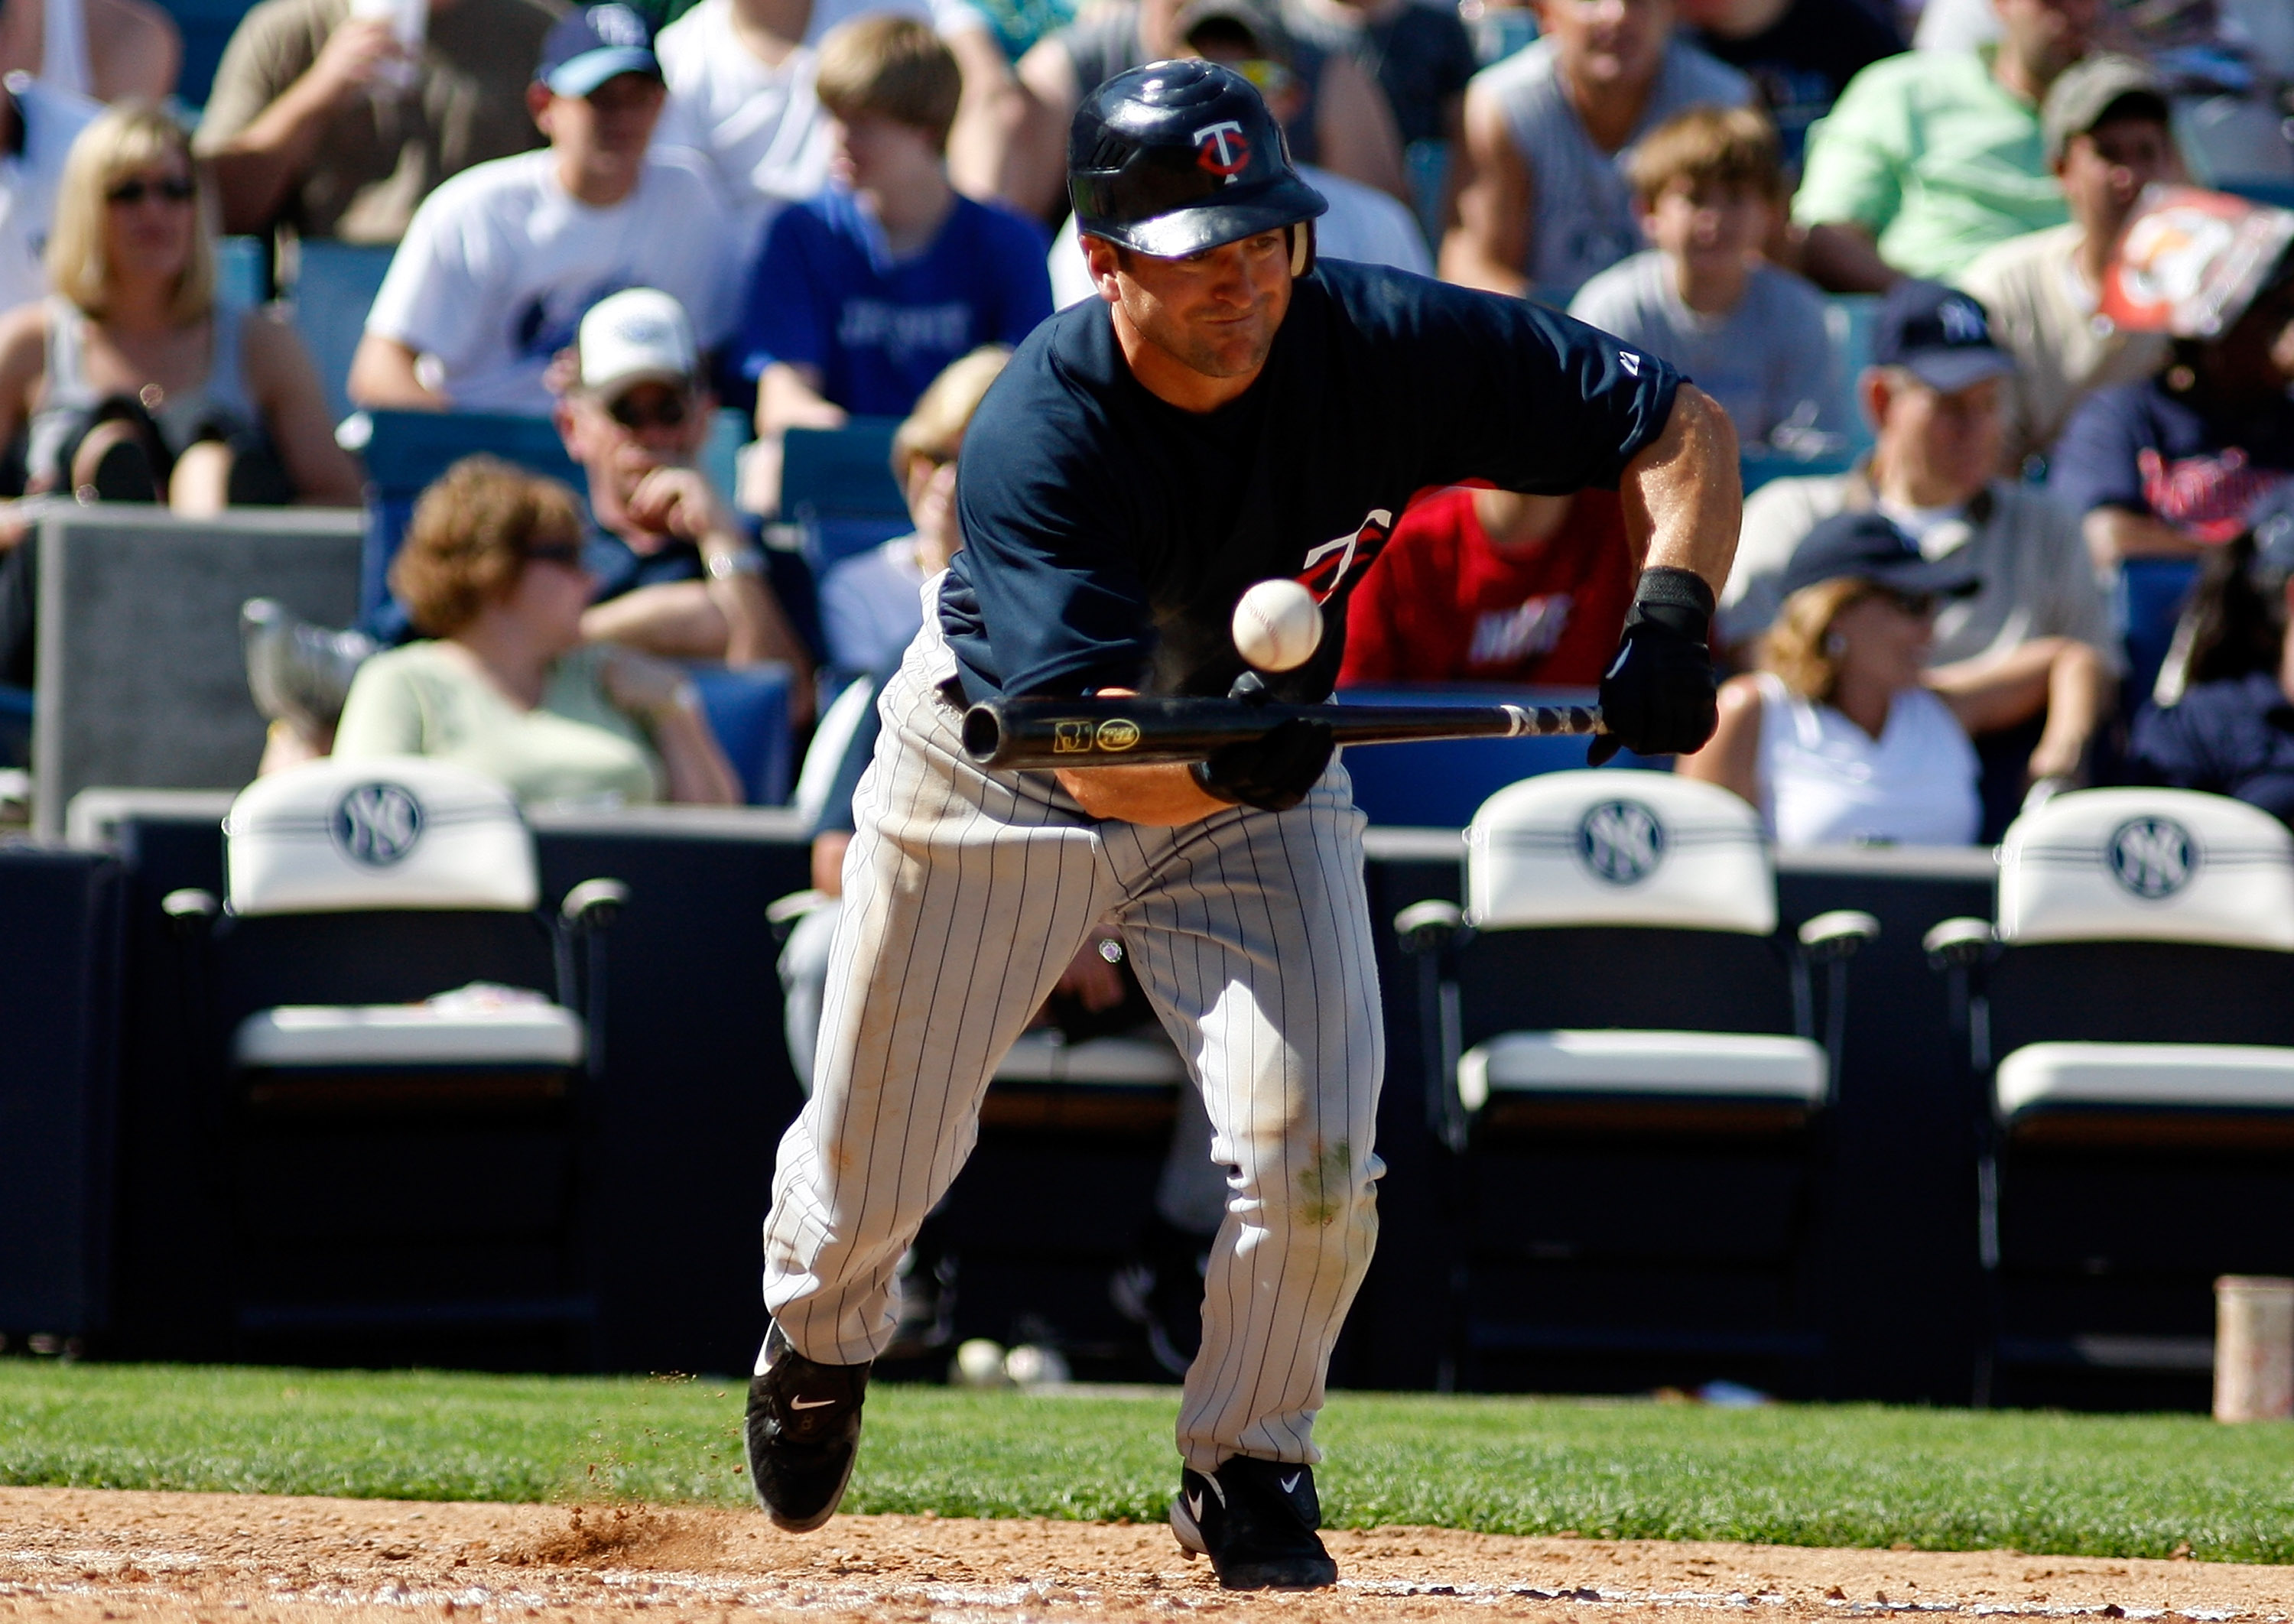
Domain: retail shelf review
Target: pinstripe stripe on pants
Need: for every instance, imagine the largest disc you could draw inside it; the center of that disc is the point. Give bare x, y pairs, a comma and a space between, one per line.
966, 893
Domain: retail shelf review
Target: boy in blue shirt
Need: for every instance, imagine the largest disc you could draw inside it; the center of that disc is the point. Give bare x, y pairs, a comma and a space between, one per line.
865, 293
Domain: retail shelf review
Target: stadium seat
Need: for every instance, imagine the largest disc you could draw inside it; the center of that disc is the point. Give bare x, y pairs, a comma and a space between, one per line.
206, 27
1436, 784
1848, 321
242, 270
335, 285
2128, 1033
748, 710
837, 487
2147, 604
1669, 1129
395, 1106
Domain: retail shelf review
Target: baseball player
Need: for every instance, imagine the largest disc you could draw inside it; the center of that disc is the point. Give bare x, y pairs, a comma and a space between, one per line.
1226, 411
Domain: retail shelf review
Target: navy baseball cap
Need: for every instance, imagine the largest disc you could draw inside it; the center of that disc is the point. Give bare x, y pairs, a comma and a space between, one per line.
1939, 334
1866, 546
595, 44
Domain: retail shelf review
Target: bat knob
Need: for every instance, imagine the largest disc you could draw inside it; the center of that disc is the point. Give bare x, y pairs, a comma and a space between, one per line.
1250, 688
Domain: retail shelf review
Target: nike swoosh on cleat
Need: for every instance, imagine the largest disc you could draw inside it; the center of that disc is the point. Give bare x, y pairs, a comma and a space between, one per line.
1195, 1507
1290, 1484
809, 1403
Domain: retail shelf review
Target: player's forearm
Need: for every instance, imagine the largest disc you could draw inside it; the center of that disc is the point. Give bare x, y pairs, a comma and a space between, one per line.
1159, 797
1684, 502
383, 377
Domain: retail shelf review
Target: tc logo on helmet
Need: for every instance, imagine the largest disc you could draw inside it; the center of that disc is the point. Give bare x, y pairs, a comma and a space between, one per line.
1221, 149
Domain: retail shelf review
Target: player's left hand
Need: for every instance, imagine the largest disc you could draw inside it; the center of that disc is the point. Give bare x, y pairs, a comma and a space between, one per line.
1273, 772
1658, 696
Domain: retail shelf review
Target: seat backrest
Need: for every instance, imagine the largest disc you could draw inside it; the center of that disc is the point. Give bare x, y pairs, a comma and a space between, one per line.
748, 710
387, 832
335, 285
2148, 865
840, 472
1436, 784
1598, 847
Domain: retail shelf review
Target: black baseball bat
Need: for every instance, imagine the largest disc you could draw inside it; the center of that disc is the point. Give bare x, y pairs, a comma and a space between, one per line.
1035, 733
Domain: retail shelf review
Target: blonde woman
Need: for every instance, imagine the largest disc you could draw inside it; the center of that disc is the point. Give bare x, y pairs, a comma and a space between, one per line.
1847, 736
133, 380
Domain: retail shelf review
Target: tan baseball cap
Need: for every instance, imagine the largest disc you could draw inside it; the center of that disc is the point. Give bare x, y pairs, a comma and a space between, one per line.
2091, 89
639, 335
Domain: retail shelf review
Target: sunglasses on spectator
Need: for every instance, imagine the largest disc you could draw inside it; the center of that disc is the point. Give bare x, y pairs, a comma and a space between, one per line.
568, 554
634, 410
1267, 77
173, 189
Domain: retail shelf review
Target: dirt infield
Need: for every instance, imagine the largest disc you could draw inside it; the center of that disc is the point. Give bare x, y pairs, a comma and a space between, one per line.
90, 1555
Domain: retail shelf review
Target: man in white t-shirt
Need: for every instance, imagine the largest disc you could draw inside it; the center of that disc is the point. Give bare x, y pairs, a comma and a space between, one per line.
502, 261
37, 124
740, 76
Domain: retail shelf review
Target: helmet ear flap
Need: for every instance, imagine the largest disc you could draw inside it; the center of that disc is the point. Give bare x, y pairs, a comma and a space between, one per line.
1302, 247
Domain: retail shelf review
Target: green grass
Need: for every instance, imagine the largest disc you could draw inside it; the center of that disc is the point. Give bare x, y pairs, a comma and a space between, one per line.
2119, 1486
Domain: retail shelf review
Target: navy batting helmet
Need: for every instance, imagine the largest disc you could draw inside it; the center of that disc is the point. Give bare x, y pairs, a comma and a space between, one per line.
1178, 157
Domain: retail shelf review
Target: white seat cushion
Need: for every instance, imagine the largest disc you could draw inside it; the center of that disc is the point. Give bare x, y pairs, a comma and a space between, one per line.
1136, 1062
2195, 1076
1711, 1064
315, 1036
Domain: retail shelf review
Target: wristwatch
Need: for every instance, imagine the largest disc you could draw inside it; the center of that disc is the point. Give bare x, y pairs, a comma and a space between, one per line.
731, 566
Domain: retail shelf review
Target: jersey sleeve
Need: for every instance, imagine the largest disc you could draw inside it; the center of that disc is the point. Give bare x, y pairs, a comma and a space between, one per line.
1525, 397
1060, 605
261, 61
436, 294
1023, 280
1858, 155
785, 319
2094, 463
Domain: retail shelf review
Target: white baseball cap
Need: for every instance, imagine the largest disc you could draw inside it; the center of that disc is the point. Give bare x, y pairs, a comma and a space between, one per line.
639, 335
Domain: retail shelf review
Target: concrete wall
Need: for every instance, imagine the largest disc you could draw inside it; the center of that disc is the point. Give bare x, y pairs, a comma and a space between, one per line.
141, 680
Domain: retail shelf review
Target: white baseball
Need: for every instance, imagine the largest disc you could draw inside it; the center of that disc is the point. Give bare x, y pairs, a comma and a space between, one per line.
980, 1363
1278, 626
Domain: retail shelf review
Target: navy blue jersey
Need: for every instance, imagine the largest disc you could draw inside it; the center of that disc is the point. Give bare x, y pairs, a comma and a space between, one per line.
2143, 448
1108, 534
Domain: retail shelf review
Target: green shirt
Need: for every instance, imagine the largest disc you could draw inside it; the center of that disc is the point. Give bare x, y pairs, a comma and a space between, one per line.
425, 699
1934, 157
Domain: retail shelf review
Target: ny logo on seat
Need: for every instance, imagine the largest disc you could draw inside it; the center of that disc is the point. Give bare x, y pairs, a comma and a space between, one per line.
1621, 841
377, 823
2152, 857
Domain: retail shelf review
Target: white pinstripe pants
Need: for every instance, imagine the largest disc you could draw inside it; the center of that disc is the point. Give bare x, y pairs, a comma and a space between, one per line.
966, 893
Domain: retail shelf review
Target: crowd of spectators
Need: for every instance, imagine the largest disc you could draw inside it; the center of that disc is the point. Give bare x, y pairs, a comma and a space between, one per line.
809, 210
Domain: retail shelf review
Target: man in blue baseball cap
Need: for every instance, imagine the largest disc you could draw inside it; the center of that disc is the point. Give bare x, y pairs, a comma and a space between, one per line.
501, 262
1934, 396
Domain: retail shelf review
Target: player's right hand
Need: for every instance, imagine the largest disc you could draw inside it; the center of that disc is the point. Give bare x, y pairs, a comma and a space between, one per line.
1273, 772
1658, 698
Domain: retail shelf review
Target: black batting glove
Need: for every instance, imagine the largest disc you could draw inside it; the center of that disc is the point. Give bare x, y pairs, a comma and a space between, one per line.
1658, 696
1273, 772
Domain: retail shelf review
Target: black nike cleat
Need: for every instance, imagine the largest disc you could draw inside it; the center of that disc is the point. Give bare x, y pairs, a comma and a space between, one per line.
1255, 1520
803, 1434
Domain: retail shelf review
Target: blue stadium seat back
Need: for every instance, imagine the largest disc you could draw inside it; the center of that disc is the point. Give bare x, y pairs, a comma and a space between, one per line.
242, 270
1438, 785
1848, 321
840, 472
206, 26
2261, 189
720, 459
748, 710
1428, 162
1757, 466
15, 726
335, 285
410, 448
829, 542
2146, 605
